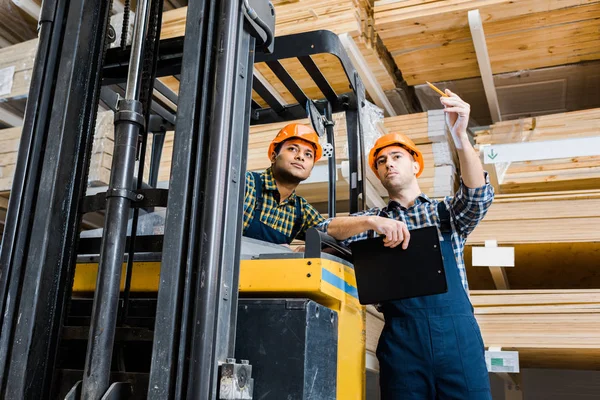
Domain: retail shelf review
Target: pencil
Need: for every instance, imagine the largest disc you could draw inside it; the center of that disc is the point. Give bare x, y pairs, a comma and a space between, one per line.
437, 90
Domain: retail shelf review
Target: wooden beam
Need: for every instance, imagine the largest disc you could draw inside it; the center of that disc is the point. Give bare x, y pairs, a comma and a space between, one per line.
3, 203
493, 174
30, 7
512, 392
499, 277
371, 362
10, 118
269, 87
483, 60
372, 86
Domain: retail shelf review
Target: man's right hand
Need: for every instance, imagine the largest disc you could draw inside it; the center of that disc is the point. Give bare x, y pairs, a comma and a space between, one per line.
395, 232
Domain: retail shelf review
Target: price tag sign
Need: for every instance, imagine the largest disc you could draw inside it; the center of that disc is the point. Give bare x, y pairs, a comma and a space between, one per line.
502, 361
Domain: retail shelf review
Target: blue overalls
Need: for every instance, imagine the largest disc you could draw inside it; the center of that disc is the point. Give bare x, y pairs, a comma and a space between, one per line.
258, 230
431, 346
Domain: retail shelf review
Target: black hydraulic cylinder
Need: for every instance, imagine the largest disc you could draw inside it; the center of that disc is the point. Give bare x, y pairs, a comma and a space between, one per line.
106, 297
129, 124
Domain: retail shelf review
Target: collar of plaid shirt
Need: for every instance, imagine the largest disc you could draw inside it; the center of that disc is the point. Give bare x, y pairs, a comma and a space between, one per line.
270, 185
393, 205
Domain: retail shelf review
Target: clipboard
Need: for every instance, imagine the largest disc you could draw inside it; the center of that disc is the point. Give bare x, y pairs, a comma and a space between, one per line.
386, 274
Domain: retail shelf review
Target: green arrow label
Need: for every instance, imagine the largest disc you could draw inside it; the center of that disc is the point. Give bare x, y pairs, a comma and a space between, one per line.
492, 154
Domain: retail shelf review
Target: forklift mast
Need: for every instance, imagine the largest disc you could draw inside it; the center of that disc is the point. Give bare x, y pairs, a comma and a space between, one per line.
196, 306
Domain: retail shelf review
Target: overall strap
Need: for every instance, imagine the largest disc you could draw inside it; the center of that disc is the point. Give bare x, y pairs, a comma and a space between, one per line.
258, 187
444, 214
299, 219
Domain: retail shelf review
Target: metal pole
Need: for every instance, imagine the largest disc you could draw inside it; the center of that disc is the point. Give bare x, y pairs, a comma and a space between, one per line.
134, 75
331, 162
129, 123
206, 346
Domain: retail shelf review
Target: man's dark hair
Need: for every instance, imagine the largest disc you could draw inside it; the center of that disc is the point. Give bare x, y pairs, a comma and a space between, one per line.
278, 148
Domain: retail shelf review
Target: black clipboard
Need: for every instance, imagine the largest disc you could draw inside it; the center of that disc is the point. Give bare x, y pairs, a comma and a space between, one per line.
386, 274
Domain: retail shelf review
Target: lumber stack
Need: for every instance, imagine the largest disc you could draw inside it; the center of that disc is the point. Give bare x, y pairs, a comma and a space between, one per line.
559, 328
18, 23
551, 217
559, 324
100, 162
548, 175
16, 65
315, 190
352, 17
430, 40
374, 323
429, 132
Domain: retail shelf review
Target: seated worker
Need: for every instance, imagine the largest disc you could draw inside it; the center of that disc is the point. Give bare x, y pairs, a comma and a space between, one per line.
273, 212
431, 346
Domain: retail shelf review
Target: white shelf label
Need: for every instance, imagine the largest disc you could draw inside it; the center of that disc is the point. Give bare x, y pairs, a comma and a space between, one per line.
502, 361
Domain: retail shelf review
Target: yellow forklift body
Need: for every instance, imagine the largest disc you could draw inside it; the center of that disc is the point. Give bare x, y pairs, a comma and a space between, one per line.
325, 281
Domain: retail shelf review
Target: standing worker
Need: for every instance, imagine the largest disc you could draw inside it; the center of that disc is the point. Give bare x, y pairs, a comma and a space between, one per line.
431, 346
273, 212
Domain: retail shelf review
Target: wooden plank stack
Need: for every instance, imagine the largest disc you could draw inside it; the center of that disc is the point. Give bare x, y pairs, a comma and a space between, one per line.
429, 132
99, 164
430, 40
548, 175
16, 65
260, 138
549, 328
16, 25
559, 324
354, 17
550, 217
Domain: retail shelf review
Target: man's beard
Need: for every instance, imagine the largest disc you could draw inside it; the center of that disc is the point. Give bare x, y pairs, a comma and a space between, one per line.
284, 175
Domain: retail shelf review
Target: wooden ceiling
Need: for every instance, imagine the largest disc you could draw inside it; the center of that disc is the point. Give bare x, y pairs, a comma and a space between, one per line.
431, 40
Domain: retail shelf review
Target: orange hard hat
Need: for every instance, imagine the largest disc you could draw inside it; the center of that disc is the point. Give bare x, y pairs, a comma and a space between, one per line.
297, 131
396, 139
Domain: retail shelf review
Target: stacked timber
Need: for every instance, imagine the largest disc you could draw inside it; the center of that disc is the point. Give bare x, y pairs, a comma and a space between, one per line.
100, 162
429, 132
16, 66
549, 328
553, 174
430, 40
19, 20
552, 217
374, 323
353, 18
314, 190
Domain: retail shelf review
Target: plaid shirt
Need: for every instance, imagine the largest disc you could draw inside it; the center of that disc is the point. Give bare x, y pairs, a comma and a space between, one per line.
275, 214
467, 207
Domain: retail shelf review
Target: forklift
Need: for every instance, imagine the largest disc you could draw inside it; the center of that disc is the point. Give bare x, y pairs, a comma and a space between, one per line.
195, 311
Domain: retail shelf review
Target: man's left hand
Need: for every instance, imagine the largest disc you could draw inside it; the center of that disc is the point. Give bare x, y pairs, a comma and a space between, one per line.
457, 114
